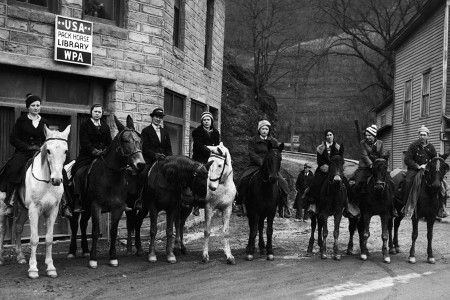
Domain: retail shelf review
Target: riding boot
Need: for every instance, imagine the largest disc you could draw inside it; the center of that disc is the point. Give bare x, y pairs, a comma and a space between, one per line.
305, 215
442, 213
77, 204
240, 209
9, 201
64, 209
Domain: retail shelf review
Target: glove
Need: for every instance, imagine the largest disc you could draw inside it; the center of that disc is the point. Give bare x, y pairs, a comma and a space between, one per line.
97, 153
324, 168
34, 148
160, 156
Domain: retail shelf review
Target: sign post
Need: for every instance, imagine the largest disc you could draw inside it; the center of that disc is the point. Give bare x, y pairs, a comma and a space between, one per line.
73, 41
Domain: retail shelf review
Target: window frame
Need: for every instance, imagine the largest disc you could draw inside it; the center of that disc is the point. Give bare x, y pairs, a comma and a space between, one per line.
174, 119
52, 5
407, 113
425, 95
119, 7
209, 29
383, 120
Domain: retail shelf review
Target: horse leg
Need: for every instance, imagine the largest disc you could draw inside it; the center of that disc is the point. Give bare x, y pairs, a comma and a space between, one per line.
85, 216
153, 230
207, 233
169, 236
131, 220
253, 224
414, 234
2, 235
180, 221
96, 215
397, 222
73, 235
311, 238
269, 237
352, 222
384, 236
137, 230
50, 222
261, 244
337, 223
226, 214
430, 225
390, 237
365, 236
115, 218
323, 232
34, 240
20, 222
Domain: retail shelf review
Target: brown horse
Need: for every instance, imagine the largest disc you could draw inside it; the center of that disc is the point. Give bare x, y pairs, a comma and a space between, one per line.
428, 203
332, 201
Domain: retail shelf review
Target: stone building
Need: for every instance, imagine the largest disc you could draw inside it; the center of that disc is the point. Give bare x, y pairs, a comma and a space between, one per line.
144, 54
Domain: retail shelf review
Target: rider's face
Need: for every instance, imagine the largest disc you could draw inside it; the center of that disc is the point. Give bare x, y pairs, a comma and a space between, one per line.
35, 108
264, 131
97, 113
157, 120
329, 137
370, 138
423, 137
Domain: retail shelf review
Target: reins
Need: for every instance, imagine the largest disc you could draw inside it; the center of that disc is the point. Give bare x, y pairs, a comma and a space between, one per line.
119, 149
48, 164
224, 166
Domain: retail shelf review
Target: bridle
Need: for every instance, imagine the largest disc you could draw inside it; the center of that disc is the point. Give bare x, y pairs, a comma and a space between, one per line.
383, 182
438, 165
32, 163
119, 148
224, 158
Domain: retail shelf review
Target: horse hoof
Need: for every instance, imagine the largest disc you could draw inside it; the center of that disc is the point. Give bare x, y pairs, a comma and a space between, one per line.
363, 257
392, 251
397, 250
129, 253
152, 258
349, 252
139, 252
262, 251
412, 260
337, 257
249, 257
71, 256
114, 263
205, 259
21, 261
52, 274
431, 260
387, 260
323, 256
93, 264
270, 257
183, 251
33, 274
231, 261
171, 259
86, 254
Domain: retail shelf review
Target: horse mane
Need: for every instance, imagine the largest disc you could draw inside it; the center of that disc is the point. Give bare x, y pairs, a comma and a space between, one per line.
178, 170
43, 154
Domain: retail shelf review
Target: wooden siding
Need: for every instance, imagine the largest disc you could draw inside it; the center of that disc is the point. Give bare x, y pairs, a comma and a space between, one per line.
386, 137
421, 52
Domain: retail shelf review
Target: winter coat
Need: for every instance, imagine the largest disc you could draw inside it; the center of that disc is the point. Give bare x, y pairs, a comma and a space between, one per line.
258, 148
417, 155
366, 150
202, 138
151, 145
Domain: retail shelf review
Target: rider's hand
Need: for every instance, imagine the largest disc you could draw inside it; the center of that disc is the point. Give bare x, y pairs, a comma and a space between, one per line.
97, 152
422, 167
34, 147
324, 168
160, 156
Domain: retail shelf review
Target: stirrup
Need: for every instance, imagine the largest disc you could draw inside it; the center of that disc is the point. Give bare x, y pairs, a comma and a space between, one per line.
65, 212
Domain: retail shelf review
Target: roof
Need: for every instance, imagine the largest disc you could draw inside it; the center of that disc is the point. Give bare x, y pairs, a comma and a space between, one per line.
384, 129
430, 7
384, 104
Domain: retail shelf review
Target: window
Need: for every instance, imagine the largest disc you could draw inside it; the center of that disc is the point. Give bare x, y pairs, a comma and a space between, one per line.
209, 33
382, 120
425, 103
408, 101
197, 109
174, 120
47, 5
104, 11
178, 24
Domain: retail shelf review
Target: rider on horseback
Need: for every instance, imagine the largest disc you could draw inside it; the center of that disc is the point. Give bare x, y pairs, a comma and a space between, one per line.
27, 137
419, 153
95, 138
370, 149
258, 148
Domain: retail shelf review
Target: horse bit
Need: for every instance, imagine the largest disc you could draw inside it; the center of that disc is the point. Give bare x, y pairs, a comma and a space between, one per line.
32, 164
224, 165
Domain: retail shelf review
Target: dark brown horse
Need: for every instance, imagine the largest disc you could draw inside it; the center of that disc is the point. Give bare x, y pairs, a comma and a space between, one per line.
376, 198
428, 203
106, 189
262, 198
332, 201
171, 184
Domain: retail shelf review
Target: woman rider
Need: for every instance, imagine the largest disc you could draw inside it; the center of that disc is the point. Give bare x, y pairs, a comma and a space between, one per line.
204, 135
257, 150
27, 137
95, 138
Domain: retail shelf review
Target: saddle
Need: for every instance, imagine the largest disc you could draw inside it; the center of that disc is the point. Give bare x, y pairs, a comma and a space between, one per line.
155, 177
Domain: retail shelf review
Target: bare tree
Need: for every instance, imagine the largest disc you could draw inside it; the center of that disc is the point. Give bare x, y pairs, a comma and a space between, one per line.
363, 28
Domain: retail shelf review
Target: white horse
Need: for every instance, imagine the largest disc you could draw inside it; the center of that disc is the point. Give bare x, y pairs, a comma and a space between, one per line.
41, 194
220, 195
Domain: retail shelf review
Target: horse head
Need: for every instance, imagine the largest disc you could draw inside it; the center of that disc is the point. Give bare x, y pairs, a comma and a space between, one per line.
54, 152
336, 167
272, 163
220, 168
435, 171
380, 171
129, 145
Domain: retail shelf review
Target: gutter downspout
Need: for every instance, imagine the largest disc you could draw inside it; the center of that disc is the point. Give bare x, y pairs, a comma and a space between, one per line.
444, 73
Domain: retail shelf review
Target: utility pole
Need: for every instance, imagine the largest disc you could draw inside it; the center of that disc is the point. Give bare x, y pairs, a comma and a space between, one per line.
294, 111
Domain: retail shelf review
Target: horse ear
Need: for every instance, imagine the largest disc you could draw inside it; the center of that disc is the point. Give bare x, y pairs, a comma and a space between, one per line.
66, 131
130, 123
208, 164
444, 156
281, 147
119, 125
219, 150
446, 167
46, 130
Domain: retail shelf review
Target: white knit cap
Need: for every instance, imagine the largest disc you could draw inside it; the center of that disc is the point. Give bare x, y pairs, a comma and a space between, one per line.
206, 114
263, 123
372, 130
423, 129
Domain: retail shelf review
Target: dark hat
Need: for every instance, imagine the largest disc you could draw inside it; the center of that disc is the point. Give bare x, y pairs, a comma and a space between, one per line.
306, 165
325, 132
30, 98
157, 112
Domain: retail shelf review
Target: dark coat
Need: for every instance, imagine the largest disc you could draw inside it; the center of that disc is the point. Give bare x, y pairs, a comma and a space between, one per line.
202, 139
303, 181
417, 155
152, 145
91, 138
258, 148
22, 137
